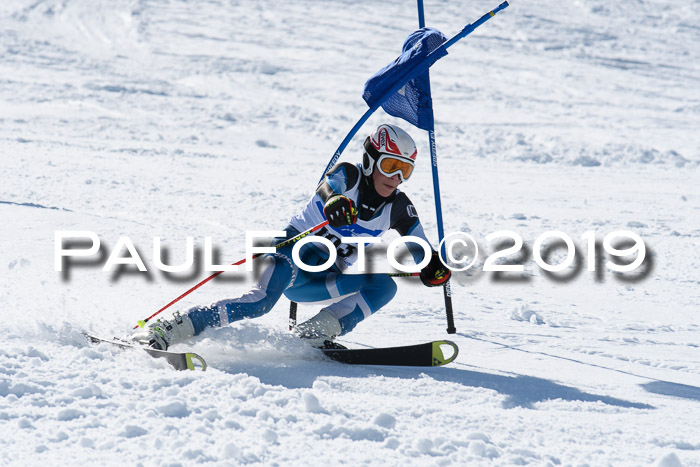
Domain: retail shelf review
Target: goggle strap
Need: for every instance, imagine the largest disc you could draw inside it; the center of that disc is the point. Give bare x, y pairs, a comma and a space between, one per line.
371, 150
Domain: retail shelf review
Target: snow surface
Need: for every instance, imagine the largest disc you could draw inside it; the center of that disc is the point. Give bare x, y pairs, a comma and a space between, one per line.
209, 118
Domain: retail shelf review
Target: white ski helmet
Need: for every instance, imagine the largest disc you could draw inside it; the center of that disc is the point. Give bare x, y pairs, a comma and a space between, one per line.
393, 142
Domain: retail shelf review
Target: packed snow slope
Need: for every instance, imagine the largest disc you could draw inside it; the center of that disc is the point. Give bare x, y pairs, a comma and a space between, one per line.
178, 119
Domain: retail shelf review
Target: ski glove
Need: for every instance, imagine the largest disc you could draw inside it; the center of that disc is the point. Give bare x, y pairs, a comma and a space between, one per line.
340, 211
435, 273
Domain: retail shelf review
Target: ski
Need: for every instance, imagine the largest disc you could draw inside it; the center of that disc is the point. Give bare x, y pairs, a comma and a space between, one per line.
178, 360
427, 354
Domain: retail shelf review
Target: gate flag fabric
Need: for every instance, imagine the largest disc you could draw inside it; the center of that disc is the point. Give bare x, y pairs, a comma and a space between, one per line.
412, 102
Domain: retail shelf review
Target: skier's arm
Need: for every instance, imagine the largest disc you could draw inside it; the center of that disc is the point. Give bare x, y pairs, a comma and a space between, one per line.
416, 250
405, 220
337, 181
338, 209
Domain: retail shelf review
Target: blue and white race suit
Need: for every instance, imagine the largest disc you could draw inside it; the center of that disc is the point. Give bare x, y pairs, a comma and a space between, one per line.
362, 294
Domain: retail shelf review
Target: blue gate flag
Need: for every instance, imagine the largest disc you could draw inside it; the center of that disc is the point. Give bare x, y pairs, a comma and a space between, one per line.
411, 102
374, 93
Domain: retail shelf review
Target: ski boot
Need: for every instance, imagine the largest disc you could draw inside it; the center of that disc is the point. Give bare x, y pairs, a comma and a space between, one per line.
320, 330
164, 333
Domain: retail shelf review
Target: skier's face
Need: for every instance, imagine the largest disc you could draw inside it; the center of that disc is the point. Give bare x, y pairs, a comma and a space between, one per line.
384, 185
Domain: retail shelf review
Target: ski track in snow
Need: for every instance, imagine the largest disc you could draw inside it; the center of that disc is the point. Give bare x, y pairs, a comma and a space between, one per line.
175, 119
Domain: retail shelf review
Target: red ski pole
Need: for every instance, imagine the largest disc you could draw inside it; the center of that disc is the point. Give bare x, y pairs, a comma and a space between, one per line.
142, 322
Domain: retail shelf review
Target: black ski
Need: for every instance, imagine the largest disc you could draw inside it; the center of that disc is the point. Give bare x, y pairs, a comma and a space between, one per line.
428, 354
178, 360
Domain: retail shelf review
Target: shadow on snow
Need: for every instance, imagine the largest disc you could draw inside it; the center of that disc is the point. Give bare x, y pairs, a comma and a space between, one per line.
667, 388
520, 390
655, 386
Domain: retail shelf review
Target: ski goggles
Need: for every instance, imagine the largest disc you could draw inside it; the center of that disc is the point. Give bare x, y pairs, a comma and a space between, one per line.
389, 166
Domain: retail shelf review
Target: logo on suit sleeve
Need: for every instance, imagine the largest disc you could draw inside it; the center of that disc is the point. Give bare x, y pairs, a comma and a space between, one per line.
411, 211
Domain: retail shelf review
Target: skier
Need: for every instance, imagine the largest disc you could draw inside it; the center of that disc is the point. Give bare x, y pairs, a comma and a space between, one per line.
358, 200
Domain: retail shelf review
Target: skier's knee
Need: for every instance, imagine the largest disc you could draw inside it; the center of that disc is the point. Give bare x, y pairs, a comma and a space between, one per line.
379, 291
386, 285
276, 273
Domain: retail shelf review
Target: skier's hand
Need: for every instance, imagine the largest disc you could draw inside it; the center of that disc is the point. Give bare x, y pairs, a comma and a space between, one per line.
340, 211
435, 273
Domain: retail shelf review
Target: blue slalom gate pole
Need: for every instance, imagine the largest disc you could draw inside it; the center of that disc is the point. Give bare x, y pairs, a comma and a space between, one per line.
447, 291
421, 16
348, 138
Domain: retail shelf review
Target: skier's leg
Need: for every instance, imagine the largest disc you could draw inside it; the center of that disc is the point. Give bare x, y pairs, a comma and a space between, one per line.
366, 293
276, 275
373, 292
